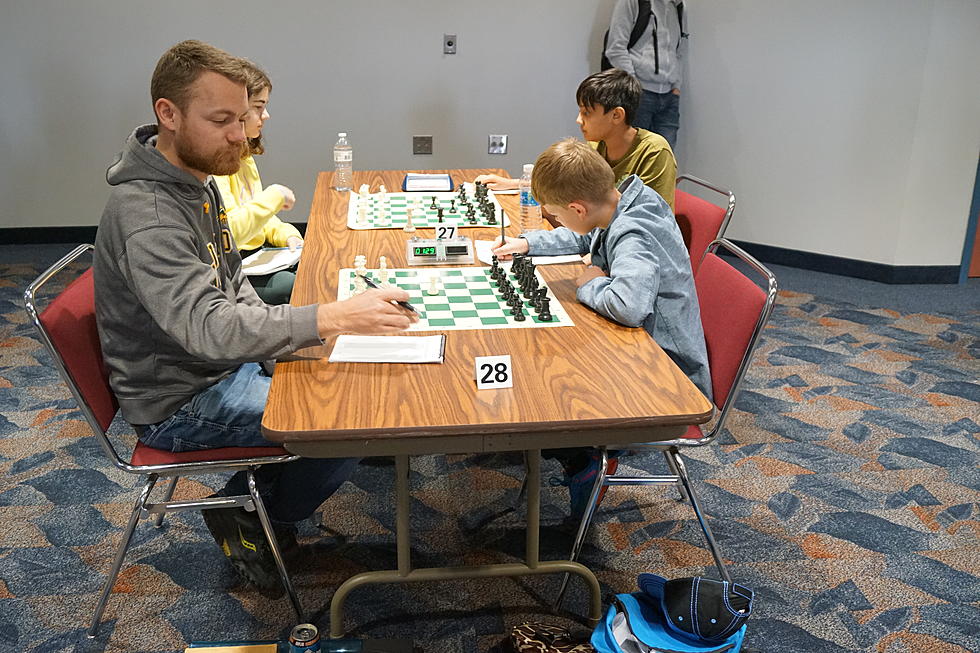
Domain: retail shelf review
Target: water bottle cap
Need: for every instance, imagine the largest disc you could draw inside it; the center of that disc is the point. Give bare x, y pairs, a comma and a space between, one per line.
342, 135
528, 167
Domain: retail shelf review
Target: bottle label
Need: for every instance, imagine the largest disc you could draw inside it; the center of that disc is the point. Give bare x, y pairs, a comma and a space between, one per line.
528, 199
343, 156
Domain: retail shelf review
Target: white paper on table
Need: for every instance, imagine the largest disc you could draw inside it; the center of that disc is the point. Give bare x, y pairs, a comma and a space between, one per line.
388, 349
484, 253
509, 191
269, 260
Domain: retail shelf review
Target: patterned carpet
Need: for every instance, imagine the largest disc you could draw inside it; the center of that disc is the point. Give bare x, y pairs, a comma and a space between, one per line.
847, 494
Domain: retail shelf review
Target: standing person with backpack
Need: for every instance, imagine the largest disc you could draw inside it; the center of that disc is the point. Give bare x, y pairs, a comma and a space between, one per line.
644, 39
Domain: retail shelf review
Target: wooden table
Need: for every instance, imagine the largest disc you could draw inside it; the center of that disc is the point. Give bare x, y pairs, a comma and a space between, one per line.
596, 383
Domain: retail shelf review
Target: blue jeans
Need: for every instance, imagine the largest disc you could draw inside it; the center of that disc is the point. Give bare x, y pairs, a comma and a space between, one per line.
661, 114
229, 414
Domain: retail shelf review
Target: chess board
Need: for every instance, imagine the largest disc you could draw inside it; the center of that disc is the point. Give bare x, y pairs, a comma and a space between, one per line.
424, 219
466, 300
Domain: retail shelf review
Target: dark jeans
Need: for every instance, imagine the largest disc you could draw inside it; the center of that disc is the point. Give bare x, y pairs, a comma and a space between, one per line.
229, 414
660, 113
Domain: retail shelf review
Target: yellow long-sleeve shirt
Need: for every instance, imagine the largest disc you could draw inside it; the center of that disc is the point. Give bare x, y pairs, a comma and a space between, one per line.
649, 158
252, 209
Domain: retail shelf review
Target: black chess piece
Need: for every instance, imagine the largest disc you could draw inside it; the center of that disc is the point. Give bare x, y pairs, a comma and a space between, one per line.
439, 213
519, 315
452, 205
433, 205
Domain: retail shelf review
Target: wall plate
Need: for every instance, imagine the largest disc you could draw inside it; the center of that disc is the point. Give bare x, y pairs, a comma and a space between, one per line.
497, 144
421, 145
449, 44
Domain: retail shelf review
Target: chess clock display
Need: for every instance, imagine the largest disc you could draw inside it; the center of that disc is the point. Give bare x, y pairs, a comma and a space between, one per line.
439, 251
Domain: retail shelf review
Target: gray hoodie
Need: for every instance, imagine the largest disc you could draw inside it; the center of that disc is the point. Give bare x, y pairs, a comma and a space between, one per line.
656, 57
175, 314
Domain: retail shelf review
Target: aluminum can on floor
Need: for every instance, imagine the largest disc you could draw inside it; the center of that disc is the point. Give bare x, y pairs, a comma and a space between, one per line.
304, 638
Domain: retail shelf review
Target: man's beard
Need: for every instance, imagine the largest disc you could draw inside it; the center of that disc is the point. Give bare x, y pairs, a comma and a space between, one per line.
222, 162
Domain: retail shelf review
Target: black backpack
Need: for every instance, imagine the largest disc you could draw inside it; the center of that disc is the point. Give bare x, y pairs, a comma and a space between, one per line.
642, 21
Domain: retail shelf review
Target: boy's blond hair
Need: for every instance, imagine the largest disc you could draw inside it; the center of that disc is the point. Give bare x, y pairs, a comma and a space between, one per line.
570, 171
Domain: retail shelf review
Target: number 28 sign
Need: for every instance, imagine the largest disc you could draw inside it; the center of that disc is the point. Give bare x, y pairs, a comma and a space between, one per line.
494, 372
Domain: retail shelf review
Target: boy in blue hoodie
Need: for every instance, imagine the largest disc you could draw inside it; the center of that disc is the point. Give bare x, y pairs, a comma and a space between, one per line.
640, 274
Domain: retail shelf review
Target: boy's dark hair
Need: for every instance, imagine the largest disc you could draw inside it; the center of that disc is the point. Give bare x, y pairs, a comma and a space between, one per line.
610, 89
181, 65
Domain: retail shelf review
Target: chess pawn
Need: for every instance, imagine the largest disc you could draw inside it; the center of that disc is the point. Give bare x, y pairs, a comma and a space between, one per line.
409, 227
383, 270
433, 286
362, 213
364, 190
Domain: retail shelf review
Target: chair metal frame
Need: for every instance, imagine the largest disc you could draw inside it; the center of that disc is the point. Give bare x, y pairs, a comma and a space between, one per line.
671, 448
246, 459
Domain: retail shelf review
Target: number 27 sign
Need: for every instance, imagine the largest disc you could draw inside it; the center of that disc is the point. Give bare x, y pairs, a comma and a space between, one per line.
494, 372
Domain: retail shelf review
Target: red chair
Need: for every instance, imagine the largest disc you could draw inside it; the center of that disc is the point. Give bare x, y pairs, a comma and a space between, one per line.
68, 330
701, 221
734, 311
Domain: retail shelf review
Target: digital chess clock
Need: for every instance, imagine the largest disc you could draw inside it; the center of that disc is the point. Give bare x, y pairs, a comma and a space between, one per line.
439, 251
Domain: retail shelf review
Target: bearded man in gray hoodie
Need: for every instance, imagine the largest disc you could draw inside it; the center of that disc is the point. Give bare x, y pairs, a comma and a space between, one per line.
182, 330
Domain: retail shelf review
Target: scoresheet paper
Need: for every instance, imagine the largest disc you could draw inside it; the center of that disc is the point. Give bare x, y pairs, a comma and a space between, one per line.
388, 349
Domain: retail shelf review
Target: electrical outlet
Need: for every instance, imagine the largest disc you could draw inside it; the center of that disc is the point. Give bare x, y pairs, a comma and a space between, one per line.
497, 144
421, 145
449, 44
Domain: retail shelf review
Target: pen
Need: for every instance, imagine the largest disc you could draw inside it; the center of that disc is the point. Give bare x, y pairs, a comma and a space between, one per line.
272, 249
371, 284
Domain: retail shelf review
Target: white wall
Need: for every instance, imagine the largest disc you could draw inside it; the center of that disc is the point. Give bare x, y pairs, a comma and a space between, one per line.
845, 128
75, 81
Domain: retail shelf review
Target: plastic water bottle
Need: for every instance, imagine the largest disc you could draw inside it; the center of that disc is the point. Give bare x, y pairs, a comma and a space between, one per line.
343, 161
530, 209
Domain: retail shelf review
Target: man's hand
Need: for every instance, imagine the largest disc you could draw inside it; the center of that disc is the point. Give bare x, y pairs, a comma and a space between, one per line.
371, 312
590, 273
288, 198
293, 243
506, 251
496, 182
675, 91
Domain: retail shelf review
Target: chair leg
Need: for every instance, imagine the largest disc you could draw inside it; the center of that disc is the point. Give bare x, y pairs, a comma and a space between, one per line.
127, 537
712, 545
167, 496
523, 491
270, 535
673, 470
583, 525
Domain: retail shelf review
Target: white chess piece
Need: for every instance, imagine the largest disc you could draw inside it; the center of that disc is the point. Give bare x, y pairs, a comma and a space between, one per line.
360, 269
409, 227
362, 213
364, 190
433, 286
383, 270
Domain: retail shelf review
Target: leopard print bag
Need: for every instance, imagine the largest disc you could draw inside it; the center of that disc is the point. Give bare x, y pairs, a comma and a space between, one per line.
533, 637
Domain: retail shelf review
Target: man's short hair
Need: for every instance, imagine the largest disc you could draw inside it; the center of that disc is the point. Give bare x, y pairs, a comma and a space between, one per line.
571, 171
181, 65
610, 89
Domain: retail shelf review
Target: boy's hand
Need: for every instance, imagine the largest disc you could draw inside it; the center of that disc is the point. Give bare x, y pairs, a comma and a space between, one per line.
294, 242
590, 273
506, 251
288, 198
496, 182
370, 312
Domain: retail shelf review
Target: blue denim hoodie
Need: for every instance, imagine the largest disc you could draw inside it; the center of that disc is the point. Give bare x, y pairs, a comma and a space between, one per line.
650, 282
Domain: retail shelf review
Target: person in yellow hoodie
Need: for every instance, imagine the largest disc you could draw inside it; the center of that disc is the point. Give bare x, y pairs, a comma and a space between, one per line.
252, 208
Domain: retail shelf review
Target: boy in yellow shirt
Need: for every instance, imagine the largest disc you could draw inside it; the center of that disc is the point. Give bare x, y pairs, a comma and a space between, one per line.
252, 209
607, 103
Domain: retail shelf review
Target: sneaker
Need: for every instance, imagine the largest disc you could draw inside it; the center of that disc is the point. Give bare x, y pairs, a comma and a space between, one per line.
240, 537
580, 477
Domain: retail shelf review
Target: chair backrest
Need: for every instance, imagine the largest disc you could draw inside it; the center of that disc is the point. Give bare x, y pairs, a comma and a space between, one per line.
734, 311
701, 221
68, 330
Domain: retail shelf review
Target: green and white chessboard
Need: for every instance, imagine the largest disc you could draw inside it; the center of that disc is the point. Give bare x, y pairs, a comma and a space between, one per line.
421, 219
466, 300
